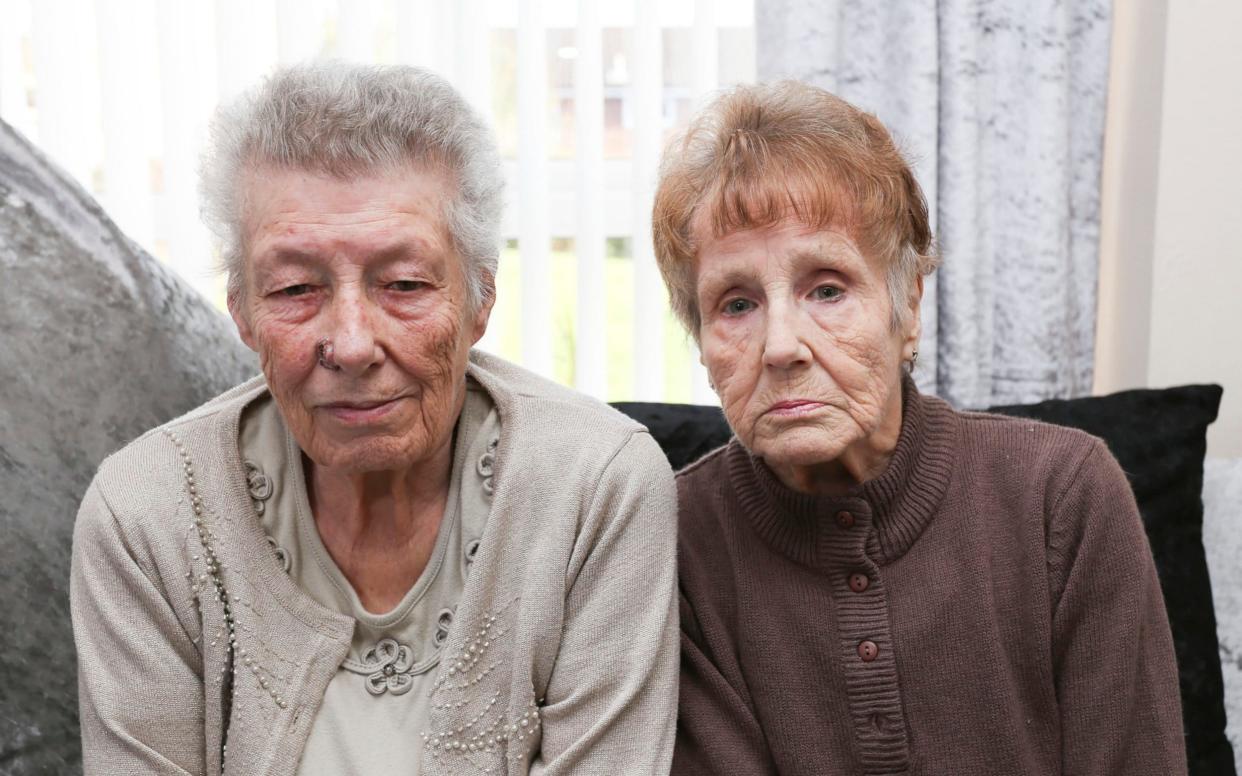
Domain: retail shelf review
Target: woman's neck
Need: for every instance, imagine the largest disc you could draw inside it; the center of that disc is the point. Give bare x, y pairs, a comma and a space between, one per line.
389, 502
380, 527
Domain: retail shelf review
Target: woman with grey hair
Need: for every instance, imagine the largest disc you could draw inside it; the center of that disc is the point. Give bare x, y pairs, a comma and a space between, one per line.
390, 552
871, 581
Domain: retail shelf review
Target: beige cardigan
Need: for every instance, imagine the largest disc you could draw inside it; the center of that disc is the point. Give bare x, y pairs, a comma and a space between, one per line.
563, 654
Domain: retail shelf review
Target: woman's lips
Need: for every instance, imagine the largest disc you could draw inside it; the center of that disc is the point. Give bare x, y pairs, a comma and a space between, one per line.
793, 408
360, 411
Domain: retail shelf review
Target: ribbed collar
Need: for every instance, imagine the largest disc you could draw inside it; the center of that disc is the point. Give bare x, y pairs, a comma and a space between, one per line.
893, 508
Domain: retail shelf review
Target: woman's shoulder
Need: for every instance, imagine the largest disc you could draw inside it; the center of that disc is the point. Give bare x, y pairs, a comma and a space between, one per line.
711, 467
705, 493
1029, 455
540, 408
148, 472
983, 431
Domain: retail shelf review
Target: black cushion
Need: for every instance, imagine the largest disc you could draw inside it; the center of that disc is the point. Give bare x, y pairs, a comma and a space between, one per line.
1159, 438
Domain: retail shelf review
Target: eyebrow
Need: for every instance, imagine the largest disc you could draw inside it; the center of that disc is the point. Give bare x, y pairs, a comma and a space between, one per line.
729, 278
836, 260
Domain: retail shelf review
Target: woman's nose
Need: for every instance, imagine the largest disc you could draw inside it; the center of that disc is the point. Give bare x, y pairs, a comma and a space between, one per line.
783, 347
355, 342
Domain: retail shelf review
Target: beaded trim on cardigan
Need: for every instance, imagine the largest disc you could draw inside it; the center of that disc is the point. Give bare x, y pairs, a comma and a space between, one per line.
220, 595
491, 737
461, 675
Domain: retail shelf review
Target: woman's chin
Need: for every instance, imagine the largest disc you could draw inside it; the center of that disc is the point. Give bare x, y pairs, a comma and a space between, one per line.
360, 456
801, 446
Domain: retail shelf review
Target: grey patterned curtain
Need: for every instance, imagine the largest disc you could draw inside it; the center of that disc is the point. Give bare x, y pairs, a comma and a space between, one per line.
1000, 106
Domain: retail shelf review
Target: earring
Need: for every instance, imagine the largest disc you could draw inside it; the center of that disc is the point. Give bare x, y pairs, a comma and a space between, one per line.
324, 350
914, 358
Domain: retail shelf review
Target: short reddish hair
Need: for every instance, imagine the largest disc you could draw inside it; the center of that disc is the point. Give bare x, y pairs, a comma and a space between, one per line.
759, 154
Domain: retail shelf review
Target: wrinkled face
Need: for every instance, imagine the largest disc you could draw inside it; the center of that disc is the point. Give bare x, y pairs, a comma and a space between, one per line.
796, 335
368, 264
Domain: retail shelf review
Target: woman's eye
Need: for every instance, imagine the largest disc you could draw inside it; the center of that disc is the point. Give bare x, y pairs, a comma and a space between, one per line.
827, 293
298, 289
406, 285
737, 306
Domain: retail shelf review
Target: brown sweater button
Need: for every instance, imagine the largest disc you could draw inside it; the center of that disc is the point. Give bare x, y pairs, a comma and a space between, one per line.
868, 651
845, 519
859, 582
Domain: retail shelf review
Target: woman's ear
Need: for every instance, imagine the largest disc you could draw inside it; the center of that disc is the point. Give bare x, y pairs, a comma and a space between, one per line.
914, 325
241, 319
484, 313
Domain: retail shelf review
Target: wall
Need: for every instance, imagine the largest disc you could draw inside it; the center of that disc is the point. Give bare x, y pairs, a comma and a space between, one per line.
1171, 259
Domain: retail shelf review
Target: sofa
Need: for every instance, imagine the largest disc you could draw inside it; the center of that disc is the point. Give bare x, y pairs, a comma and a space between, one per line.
99, 342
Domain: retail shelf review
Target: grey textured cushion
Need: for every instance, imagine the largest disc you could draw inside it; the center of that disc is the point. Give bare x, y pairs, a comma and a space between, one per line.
98, 343
1222, 540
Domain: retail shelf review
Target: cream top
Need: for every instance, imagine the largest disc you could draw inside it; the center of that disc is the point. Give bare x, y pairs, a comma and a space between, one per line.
379, 698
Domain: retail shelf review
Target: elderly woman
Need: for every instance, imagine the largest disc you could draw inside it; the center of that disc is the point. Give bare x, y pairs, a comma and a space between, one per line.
872, 582
390, 553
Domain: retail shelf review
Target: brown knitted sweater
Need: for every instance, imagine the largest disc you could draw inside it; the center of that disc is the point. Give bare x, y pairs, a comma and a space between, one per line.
987, 605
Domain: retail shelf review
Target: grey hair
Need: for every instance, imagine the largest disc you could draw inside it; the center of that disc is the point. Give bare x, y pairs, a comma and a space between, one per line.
349, 120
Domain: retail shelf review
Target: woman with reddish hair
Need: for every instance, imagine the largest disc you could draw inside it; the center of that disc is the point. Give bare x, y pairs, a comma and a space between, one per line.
871, 581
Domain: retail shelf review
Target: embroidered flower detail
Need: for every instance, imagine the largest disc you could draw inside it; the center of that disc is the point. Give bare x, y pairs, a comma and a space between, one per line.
443, 624
282, 555
391, 663
259, 485
487, 465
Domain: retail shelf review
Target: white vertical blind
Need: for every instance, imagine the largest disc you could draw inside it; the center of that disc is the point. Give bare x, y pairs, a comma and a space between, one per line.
119, 93
357, 29
532, 194
647, 99
705, 55
591, 340
126, 61
67, 102
705, 49
185, 37
14, 33
417, 32
446, 20
471, 51
246, 44
297, 33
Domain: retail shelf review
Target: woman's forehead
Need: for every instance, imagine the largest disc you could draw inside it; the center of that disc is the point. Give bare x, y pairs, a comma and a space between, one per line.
788, 239
276, 190
296, 213
785, 192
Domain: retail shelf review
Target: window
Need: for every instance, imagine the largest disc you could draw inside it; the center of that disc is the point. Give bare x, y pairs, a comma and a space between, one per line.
582, 96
